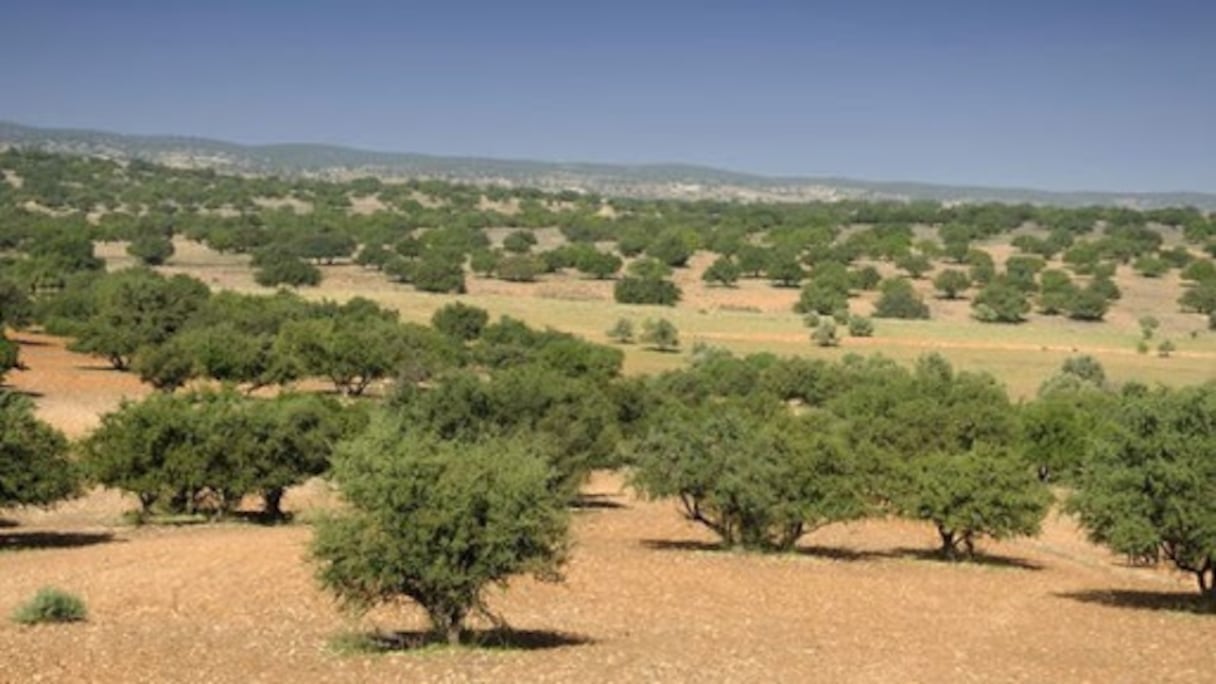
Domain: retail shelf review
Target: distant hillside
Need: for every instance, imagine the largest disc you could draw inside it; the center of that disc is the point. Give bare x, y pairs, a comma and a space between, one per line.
651, 180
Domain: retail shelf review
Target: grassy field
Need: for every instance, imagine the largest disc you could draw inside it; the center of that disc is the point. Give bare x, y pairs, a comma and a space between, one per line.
756, 317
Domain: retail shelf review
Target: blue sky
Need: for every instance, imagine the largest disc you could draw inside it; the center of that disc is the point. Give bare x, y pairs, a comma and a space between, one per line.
1062, 95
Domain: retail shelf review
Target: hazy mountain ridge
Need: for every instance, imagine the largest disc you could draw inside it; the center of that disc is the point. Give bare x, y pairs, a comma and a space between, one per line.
649, 180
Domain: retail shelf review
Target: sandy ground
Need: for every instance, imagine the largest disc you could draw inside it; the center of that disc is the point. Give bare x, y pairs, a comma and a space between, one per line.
646, 598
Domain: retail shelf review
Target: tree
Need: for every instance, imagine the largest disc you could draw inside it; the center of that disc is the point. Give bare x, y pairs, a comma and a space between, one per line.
916, 265
951, 282
825, 333
1088, 304
621, 332
35, 469
670, 247
821, 298
752, 260
631, 290
460, 321
900, 300
660, 334
519, 242
758, 482
597, 264
783, 269
287, 270
439, 272
985, 491
864, 278
438, 522
1000, 301
352, 353
1149, 490
722, 271
151, 249
519, 268
136, 308
1200, 298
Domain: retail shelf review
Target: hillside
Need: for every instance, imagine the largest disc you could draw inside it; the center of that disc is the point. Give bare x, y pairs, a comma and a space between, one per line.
651, 180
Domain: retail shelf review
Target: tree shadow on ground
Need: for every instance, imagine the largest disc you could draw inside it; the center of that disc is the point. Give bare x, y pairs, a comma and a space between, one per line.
53, 540
596, 501
490, 639
838, 553
1181, 602
683, 545
978, 558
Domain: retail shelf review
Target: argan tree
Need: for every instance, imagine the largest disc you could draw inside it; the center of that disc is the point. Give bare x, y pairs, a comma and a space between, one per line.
34, 464
438, 522
1151, 482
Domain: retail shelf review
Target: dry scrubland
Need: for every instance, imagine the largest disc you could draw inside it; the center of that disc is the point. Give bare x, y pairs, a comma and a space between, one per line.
646, 597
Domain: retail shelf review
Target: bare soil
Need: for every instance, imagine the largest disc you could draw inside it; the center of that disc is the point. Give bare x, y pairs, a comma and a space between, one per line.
647, 597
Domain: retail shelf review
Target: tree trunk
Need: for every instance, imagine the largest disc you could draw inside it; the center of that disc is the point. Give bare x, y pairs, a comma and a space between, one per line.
453, 634
949, 543
273, 500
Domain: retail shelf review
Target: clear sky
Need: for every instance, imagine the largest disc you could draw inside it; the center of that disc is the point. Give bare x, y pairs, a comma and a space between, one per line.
1063, 94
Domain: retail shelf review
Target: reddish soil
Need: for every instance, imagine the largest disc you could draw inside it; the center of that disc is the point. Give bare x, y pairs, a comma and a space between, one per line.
646, 597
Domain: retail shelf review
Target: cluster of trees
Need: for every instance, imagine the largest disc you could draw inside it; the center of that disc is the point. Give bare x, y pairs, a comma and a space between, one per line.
428, 233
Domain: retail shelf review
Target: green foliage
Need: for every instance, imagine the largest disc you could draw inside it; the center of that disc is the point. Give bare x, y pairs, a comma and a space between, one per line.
206, 450
660, 334
865, 278
519, 242
631, 290
1150, 490
951, 282
519, 268
1151, 266
783, 269
671, 247
49, 606
1088, 304
438, 522
915, 265
352, 351
460, 321
439, 272
287, 270
757, 481
825, 333
135, 308
35, 469
898, 299
1000, 301
985, 491
151, 250
597, 264
860, 326
621, 332
1199, 298
722, 271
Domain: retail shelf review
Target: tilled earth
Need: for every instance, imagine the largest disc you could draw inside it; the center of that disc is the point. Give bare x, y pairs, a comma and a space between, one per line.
646, 598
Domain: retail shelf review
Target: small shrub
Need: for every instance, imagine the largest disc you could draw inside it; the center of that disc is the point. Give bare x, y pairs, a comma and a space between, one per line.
825, 334
1165, 349
621, 332
51, 605
860, 326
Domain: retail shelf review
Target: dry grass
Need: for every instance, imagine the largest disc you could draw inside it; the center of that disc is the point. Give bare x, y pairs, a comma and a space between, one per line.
756, 317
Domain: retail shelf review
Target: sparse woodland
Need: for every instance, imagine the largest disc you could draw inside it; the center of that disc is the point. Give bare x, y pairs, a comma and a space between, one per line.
460, 445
